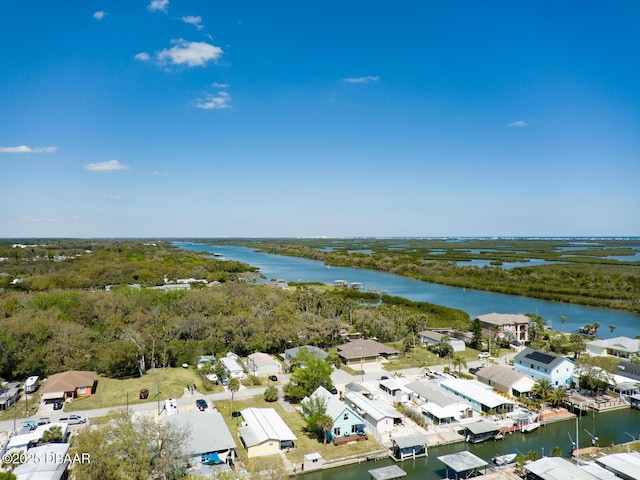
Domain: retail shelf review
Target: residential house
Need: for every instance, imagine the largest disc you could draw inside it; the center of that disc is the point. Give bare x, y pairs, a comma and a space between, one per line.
629, 370
623, 465
233, 368
623, 347
553, 468
264, 432
209, 442
261, 365
291, 353
22, 441
345, 421
379, 416
438, 404
9, 394
394, 390
506, 380
364, 351
539, 365
504, 322
46, 462
68, 386
481, 396
429, 337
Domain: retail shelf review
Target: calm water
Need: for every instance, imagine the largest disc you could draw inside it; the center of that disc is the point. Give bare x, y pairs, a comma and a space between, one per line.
474, 302
611, 427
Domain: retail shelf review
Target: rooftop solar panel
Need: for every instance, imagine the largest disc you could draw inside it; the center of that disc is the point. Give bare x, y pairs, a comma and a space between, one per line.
540, 357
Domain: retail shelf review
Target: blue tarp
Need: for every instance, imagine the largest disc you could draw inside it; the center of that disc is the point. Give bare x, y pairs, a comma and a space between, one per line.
211, 459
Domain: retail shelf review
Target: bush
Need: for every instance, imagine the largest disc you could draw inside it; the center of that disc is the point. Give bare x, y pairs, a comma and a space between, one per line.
271, 394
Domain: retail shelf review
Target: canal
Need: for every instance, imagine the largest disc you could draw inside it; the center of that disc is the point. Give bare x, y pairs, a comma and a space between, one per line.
474, 302
609, 427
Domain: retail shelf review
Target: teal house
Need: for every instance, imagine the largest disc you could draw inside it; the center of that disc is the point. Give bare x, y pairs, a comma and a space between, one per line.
345, 421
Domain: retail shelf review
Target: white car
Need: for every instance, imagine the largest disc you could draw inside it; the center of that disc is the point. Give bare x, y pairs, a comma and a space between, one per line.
73, 420
484, 355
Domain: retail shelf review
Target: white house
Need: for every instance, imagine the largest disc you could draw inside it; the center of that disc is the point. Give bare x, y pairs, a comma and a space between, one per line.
481, 396
543, 365
438, 404
261, 364
378, 415
623, 347
394, 390
429, 337
232, 366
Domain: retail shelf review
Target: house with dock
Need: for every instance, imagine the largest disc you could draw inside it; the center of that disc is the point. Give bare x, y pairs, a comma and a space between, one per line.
438, 404
379, 416
506, 380
558, 370
480, 396
409, 446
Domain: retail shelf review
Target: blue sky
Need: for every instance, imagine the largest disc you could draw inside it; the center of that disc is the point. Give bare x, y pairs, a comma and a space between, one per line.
288, 118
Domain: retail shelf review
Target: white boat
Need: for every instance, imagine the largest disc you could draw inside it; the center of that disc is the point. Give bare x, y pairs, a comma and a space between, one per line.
529, 427
504, 459
31, 385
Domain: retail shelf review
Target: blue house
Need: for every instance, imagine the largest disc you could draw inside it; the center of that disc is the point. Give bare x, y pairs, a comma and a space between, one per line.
537, 364
345, 421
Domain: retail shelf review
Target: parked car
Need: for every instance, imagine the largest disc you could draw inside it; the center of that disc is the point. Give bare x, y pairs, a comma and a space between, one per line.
333, 390
473, 370
144, 394
73, 420
43, 421
384, 377
201, 404
224, 381
273, 378
484, 355
29, 424
57, 405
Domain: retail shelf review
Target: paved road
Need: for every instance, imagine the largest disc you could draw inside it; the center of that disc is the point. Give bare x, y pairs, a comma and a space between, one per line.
339, 377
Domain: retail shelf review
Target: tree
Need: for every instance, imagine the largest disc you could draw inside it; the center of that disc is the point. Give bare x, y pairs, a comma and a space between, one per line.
7, 476
612, 328
53, 434
458, 362
325, 423
557, 396
234, 386
271, 394
562, 320
313, 409
556, 452
577, 344
311, 373
476, 329
542, 389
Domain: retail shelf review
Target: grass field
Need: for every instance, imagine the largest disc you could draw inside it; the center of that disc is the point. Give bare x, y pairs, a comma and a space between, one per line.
306, 443
112, 392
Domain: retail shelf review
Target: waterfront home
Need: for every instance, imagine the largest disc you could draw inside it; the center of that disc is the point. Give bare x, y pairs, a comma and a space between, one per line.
629, 370
504, 322
480, 396
438, 404
291, 353
379, 417
209, 441
364, 351
554, 468
264, 432
261, 364
623, 347
506, 380
429, 338
539, 365
345, 420
624, 465
68, 386
481, 431
409, 446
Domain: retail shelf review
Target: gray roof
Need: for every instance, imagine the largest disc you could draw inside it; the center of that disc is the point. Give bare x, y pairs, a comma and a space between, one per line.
387, 473
293, 352
462, 461
335, 407
364, 349
376, 409
626, 465
503, 319
483, 426
558, 468
207, 431
408, 441
41, 464
502, 375
539, 358
264, 424
621, 344
434, 393
432, 335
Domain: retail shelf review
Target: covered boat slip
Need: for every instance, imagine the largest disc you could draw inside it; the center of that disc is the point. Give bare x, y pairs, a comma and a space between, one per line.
409, 446
463, 464
480, 431
387, 473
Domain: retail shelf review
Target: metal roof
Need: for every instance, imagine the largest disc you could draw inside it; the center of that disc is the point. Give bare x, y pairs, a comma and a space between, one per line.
208, 431
387, 473
626, 465
264, 424
408, 441
462, 461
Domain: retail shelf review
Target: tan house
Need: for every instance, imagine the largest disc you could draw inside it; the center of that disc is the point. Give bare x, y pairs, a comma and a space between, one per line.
362, 351
68, 386
261, 364
506, 380
505, 322
264, 432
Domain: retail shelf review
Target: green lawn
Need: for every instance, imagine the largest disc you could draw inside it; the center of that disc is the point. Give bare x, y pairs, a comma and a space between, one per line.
305, 444
112, 392
31, 406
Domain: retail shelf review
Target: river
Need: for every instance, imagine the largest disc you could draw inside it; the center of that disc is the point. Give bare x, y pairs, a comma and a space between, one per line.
474, 302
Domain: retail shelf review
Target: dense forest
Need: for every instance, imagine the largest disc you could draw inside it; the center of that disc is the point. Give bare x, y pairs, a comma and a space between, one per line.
587, 275
56, 315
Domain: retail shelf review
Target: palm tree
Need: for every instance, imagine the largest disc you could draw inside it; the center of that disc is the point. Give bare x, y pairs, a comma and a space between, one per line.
325, 423
458, 362
558, 396
612, 328
542, 389
234, 386
562, 320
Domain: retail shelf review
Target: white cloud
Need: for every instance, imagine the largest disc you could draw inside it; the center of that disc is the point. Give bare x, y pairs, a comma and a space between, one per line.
210, 102
26, 149
192, 54
220, 85
367, 79
107, 166
158, 5
193, 20
116, 198
142, 56
519, 123
99, 15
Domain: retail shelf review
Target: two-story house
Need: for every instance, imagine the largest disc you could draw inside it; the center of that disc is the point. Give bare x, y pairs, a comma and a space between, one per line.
537, 364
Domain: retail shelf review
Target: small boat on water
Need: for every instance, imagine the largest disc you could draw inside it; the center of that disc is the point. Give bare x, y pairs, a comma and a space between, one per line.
504, 459
529, 427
